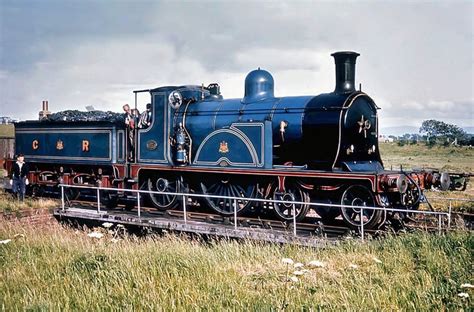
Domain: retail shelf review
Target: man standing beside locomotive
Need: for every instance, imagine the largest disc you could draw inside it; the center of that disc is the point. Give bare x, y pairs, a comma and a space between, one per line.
19, 179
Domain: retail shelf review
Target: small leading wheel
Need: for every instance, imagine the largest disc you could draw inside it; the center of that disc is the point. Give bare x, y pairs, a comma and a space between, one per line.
292, 193
358, 195
165, 184
231, 187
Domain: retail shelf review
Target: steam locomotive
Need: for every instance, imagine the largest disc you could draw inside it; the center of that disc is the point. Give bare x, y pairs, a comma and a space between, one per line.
321, 149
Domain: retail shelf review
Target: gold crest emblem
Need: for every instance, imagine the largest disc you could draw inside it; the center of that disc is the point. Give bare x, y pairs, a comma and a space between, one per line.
223, 147
151, 145
59, 145
364, 125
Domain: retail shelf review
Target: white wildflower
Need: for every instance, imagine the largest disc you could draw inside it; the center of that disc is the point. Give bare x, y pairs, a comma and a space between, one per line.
95, 235
316, 264
463, 295
298, 272
115, 240
107, 225
299, 265
293, 279
287, 261
4, 242
467, 285
377, 260
353, 266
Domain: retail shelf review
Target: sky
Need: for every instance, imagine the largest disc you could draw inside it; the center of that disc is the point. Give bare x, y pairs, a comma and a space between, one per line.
416, 56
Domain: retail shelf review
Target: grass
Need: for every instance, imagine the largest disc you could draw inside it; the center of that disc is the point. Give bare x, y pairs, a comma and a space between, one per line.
452, 159
61, 268
9, 204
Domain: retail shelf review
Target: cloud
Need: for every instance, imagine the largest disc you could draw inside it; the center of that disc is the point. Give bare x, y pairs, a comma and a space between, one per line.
415, 66
412, 112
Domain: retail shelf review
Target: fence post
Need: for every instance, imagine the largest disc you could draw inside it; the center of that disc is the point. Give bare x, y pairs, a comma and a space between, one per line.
138, 202
362, 223
235, 214
294, 220
449, 215
98, 200
62, 197
184, 210
439, 224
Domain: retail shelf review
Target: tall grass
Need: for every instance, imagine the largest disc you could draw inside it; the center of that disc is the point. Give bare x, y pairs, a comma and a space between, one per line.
9, 203
61, 268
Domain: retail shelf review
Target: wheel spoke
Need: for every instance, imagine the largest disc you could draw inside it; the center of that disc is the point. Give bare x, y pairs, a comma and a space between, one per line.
214, 189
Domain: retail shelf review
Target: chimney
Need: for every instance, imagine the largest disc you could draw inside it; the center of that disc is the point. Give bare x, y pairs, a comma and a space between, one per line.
45, 112
345, 71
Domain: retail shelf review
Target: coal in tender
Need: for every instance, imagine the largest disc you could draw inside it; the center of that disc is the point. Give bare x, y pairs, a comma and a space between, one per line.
75, 116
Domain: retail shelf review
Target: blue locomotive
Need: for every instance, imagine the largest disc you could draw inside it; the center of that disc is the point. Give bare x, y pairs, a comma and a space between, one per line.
320, 148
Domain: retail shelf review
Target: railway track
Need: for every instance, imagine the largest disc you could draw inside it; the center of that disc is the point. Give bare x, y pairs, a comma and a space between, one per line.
310, 232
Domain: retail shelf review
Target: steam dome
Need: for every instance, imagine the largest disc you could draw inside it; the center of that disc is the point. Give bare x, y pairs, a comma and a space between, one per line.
258, 86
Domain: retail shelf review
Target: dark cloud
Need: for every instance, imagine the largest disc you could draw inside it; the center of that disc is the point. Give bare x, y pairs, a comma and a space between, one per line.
33, 30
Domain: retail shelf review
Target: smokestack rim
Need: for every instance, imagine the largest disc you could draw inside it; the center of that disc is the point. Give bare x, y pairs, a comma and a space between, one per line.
345, 53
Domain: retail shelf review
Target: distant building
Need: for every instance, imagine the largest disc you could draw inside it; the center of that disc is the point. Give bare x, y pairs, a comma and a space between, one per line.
385, 139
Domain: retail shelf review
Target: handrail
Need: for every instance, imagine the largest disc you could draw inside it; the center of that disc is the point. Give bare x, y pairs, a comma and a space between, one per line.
235, 199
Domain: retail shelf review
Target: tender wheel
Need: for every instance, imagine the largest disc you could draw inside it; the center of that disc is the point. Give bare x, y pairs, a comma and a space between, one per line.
164, 184
293, 192
358, 195
228, 186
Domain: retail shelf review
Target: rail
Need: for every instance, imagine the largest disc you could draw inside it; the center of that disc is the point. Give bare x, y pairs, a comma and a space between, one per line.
235, 200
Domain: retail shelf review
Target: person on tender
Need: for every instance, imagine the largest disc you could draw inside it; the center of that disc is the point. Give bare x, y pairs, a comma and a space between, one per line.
19, 177
130, 124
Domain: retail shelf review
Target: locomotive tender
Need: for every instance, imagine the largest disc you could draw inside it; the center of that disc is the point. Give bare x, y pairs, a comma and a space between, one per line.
321, 149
